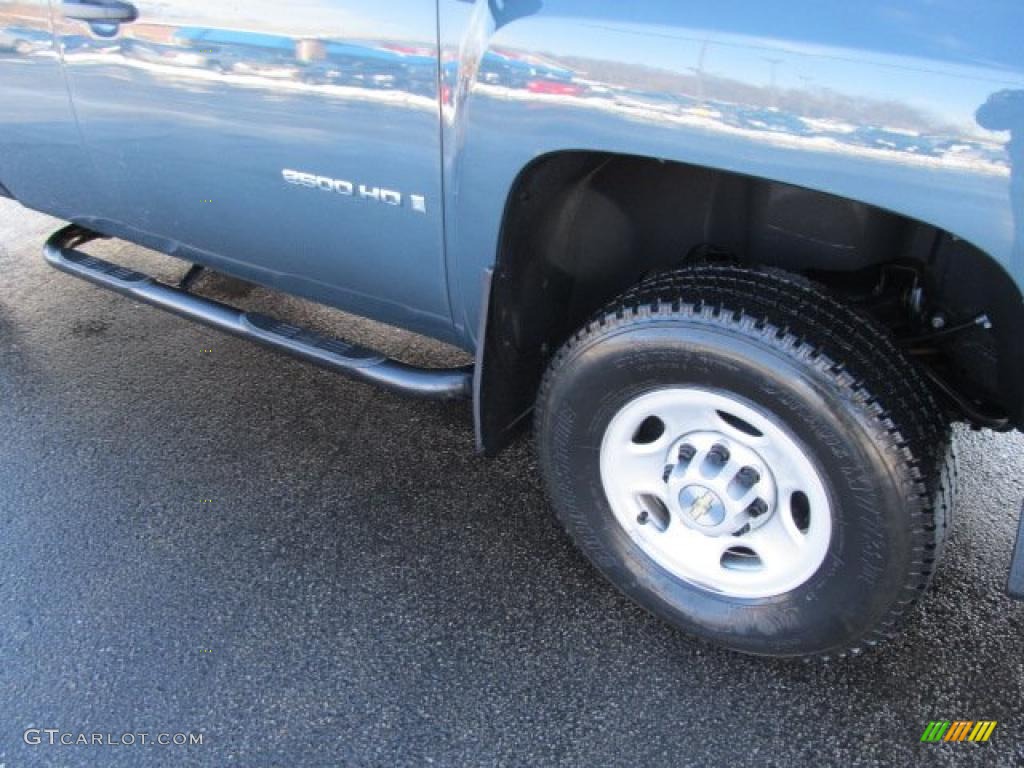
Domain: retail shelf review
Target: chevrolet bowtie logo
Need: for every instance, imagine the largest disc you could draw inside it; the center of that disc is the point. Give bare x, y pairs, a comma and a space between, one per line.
702, 506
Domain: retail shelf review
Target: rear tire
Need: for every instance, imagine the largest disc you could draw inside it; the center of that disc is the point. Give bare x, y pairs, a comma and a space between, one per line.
802, 393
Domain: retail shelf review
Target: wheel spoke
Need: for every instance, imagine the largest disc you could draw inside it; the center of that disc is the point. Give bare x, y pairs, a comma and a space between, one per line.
775, 543
681, 419
641, 468
704, 554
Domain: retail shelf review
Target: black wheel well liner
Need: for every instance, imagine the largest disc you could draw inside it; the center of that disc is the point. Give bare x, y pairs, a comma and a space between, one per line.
580, 227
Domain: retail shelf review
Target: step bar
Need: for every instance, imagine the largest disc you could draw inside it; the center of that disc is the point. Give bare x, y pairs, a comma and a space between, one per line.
328, 352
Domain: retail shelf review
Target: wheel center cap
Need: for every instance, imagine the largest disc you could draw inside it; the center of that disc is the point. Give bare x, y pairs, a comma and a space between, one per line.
701, 506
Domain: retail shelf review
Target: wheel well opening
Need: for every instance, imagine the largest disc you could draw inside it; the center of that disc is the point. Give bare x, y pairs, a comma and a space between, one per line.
582, 227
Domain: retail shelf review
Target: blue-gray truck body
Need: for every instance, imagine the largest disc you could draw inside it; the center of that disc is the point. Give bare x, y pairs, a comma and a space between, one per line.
883, 103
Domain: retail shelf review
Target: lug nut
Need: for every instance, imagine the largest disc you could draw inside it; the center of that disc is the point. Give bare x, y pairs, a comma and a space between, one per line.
743, 530
748, 476
687, 452
757, 508
719, 453
642, 517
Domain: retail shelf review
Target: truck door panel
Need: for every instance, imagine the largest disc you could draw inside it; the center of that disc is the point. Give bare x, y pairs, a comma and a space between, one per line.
41, 159
296, 145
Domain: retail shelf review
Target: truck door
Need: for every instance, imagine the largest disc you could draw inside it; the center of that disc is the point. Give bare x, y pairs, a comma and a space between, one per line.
41, 158
293, 144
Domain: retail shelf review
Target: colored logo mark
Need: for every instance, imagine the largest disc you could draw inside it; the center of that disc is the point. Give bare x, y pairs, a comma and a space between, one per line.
958, 730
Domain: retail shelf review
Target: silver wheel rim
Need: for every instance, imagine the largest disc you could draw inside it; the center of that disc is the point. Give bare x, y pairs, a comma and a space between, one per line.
716, 491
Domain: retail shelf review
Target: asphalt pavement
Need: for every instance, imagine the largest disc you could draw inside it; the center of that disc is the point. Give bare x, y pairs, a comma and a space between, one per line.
200, 536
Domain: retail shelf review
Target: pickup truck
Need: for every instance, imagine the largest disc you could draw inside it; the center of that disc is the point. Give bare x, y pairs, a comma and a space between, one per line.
741, 265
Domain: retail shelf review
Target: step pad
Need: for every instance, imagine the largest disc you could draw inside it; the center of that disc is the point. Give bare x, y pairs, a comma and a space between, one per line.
311, 338
105, 267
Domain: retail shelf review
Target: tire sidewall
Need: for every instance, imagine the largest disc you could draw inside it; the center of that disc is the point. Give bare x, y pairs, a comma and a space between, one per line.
871, 550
